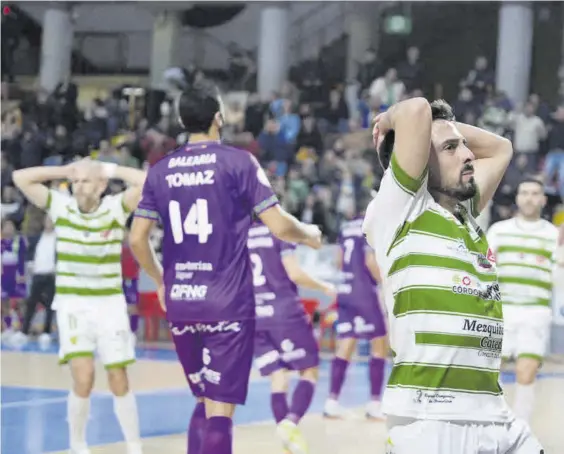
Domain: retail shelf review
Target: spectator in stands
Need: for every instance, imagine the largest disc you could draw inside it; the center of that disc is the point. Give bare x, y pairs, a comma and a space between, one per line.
7, 169
369, 69
387, 90
554, 164
410, 72
297, 191
274, 147
480, 80
254, 114
494, 118
12, 205
466, 104
290, 122
336, 113
529, 130
541, 108
309, 136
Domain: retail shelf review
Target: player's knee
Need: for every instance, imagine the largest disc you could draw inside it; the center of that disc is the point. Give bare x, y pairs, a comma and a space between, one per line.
345, 348
379, 347
310, 374
526, 370
82, 370
279, 381
118, 381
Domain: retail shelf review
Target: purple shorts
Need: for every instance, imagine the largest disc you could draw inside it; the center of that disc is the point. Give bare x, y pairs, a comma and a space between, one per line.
130, 291
360, 321
216, 358
11, 289
291, 346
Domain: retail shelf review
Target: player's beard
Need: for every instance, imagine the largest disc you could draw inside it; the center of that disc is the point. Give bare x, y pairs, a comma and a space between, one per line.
462, 191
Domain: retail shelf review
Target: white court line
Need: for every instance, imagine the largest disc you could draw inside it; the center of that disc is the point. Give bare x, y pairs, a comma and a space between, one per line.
158, 391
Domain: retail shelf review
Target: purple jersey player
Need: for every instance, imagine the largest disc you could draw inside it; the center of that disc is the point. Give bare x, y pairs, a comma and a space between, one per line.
205, 193
284, 337
360, 316
13, 273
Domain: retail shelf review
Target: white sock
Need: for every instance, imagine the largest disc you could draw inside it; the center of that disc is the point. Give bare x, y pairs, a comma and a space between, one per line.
125, 408
78, 409
524, 401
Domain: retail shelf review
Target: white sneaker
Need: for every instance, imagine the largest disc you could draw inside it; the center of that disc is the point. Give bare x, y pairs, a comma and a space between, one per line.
7, 335
374, 411
44, 341
19, 340
332, 409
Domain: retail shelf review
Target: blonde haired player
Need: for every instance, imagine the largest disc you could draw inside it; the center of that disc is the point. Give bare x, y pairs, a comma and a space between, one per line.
525, 248
444, 305
91, 308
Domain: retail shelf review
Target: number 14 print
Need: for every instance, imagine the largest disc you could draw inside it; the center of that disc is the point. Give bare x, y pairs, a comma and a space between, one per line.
196, 221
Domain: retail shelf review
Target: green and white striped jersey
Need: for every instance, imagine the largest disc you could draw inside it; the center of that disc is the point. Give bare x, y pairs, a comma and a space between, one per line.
525, 256
444, 305
88, 248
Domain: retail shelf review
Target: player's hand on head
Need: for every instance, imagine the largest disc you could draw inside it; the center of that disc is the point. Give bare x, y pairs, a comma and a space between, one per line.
330, 290
313, 236
380, 129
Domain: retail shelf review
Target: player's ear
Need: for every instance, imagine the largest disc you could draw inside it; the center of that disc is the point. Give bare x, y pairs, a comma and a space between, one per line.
219, 119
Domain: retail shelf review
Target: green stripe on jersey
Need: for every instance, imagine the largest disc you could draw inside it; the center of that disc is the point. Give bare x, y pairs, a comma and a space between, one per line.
407, 183
87, 292
437, 261
437, 300
525, 250
459, 340
446, 378
546, 285
62, 222
89, 259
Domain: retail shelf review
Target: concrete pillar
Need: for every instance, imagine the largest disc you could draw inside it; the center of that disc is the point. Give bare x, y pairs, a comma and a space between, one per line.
360, 24
273, 48
56, 46
166, 34
514, 49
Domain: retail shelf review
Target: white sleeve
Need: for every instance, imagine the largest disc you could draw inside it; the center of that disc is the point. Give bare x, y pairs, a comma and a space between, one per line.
57, 204
117, 206
399, 197
492, 237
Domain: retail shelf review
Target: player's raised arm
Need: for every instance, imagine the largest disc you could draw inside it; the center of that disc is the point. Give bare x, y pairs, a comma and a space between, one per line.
402, 136
31, 181
300, 277
146, 216
283, 225
493, 154
134, 178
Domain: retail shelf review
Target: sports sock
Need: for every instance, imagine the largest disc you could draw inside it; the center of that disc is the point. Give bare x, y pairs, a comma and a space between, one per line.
78, 409
376, 372
301, 400
196, 429
279, 406
524, 401
338, 371
134, 322
125, 408
218, 436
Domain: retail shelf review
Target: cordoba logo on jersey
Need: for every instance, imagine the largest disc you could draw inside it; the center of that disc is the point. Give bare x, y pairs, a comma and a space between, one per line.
188, 292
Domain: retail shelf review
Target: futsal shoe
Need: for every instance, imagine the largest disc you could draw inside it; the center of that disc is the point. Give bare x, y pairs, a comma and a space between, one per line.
18, 340
374, 411
292, 437
333, 410
44, 341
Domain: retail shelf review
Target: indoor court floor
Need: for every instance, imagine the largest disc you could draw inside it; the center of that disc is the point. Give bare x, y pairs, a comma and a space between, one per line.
34, 391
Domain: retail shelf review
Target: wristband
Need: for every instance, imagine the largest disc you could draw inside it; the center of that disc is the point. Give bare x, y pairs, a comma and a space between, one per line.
109, 169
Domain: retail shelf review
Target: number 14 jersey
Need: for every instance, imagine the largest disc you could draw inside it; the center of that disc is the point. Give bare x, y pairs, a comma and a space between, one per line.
204, 194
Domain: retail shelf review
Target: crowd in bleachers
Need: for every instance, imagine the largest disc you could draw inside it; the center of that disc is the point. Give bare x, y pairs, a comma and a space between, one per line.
312, 136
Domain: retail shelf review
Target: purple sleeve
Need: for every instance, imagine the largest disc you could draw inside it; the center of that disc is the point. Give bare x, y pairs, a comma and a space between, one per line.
147, 207
287, 248
256, 186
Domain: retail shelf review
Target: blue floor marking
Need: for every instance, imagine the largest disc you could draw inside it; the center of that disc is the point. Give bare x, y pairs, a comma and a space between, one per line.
42, 412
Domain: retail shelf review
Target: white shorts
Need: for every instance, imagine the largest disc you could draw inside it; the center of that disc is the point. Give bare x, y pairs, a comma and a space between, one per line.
409, 436
95, 326
526, 331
